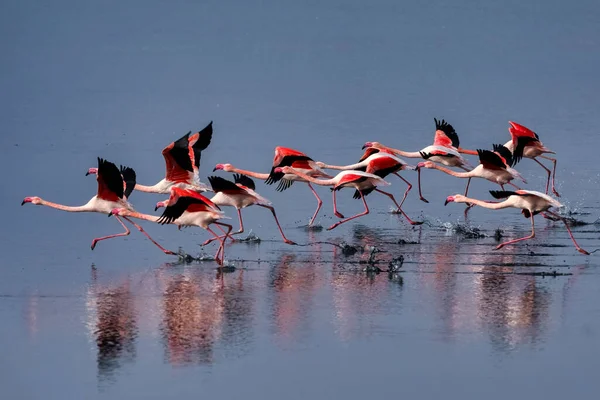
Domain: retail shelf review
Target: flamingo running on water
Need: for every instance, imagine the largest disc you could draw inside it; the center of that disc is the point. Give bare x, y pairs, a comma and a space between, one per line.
531, 202
445, 150
240, 194
381, 163
182, 159
186, 208
495, 166
526, 143
285, 157
361, 181
114, 187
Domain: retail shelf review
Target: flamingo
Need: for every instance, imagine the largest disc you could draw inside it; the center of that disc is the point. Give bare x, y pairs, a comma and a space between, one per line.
526, 143
185, 208
531, 202
361, 181
285, 157
495, 166
114, 187
240, 194
380, 163
182, 159
445, 150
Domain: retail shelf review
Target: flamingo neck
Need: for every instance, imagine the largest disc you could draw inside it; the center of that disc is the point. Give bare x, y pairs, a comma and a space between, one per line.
148, 189
251, 174
485, 204
407, 154
321, 182
468, 174
346, 167
146, 217
84, 208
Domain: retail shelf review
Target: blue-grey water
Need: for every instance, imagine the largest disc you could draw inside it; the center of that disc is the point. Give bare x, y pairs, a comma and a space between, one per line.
121, 80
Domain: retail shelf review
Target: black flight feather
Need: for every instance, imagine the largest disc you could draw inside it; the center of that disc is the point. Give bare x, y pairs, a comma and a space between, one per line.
181, 153
129, 178
505, 152
219, 184
244, 181
205, 136
448, 131
110, 174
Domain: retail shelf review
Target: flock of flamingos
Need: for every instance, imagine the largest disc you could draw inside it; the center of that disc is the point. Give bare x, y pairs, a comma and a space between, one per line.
186, 206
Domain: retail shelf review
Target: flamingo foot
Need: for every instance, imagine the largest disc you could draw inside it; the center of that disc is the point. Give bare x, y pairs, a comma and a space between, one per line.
582, 251
423, 199
207, 242
94, 244
288, 241
416, 223
555, 192
338, 214
499, 246
333, 226
171, 253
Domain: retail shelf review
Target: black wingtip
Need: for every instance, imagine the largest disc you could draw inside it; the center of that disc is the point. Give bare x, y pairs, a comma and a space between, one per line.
23, 202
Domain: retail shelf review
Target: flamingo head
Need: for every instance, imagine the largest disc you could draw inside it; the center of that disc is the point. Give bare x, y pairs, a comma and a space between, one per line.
425, 164
32, 200
320, 164
375, 145
457, 198
92, 171
161, 204
224, 167
283, 170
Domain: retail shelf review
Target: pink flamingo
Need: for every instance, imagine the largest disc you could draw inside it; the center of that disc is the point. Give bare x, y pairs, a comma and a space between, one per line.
380, 163
361, 181
285, 157
182, 159
531, 202
240, 194
445, 150
114, 187
186, 208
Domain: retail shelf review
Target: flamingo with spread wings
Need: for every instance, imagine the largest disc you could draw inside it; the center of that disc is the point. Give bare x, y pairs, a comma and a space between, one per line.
381, 163
443, 151
182, 160
529, 201
286, 157
361, 181
526, 143
186, 208
114, 187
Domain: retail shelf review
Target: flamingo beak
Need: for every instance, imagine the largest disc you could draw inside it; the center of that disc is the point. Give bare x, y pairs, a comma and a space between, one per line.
26, 200
449, 199
278, 170
367, 144
91, 171
421, 165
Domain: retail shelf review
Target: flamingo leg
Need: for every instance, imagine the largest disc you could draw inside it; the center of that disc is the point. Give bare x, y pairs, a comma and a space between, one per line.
126, 233
221, 248
579, 249
139, 228
469, 205
241, 230
286, 240
407, 189
521, 239
319, 204
553, 174
513, 185
335, 211
353, 217
547, 171
419, 184
391, 196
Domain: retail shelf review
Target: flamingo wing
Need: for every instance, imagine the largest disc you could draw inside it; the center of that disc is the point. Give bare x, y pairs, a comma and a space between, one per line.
178, 159
199, 141
439, 153
445, 135
502, 194
244, 181
491, 160
282, 152
505, 154
383, 166
522, 142
110, 182
520, 130
129, 178
219, 184
182, 200
295, 161
349, 178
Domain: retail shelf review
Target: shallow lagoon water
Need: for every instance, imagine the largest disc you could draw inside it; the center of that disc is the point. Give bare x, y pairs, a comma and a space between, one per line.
124, 321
